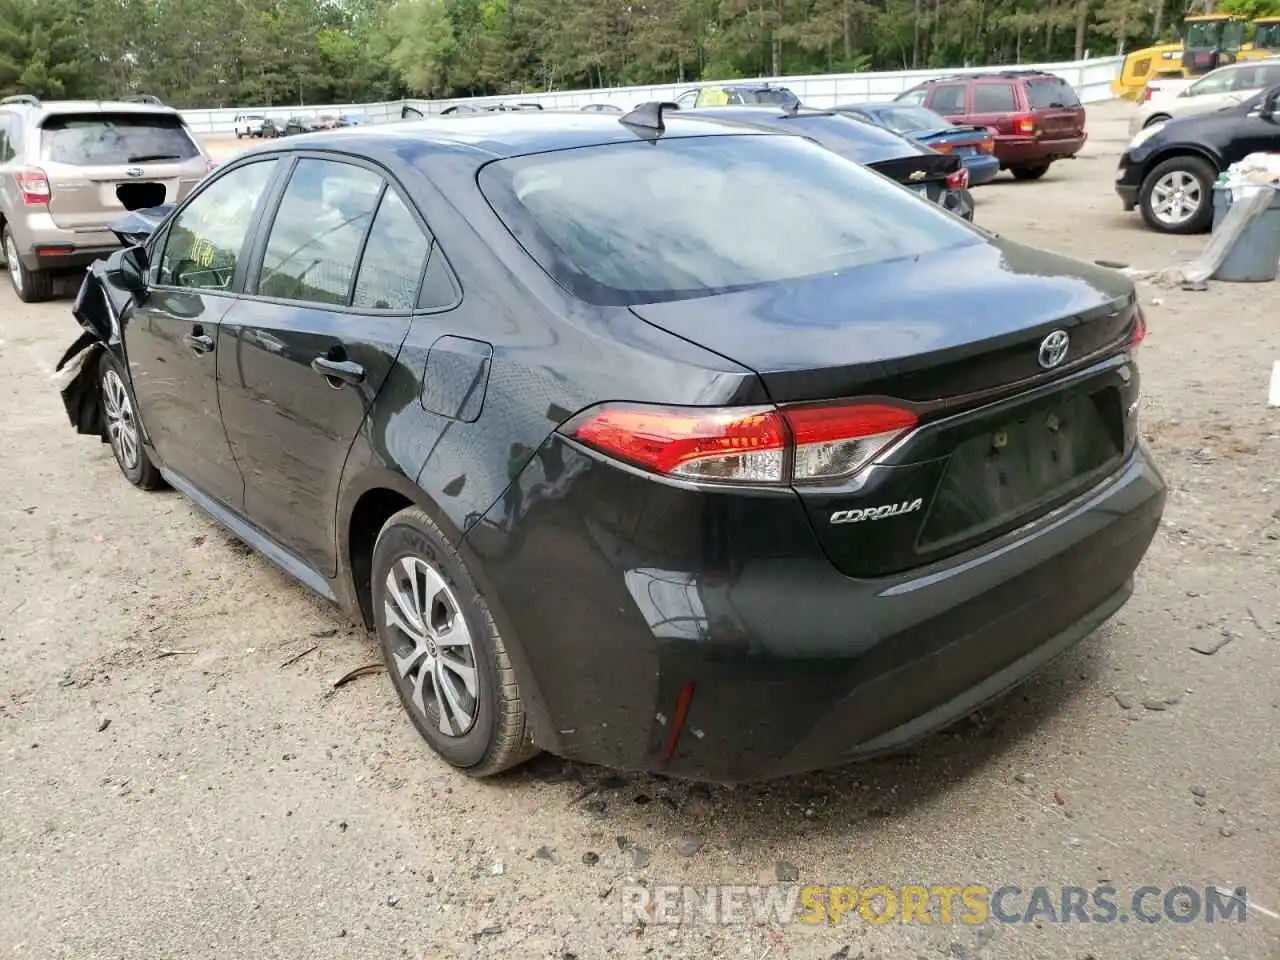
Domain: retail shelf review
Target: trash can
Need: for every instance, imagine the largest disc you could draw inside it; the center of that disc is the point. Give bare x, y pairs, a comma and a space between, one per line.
1255, 256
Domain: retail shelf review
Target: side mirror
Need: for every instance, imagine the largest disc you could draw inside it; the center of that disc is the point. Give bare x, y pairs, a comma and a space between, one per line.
128, 269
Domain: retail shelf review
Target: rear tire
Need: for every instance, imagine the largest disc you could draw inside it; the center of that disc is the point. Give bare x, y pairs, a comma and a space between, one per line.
1172, 188
443, 651
121, 427
1029, 173
31, 286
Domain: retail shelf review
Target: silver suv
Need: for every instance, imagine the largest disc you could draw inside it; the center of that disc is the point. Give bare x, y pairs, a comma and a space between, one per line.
69, 169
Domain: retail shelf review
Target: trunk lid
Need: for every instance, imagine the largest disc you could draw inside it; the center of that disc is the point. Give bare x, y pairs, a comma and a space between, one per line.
958, 335
934, 328
926, 172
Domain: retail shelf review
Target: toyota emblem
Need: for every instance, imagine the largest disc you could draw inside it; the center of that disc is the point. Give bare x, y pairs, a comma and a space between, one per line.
1053, 349
134, 172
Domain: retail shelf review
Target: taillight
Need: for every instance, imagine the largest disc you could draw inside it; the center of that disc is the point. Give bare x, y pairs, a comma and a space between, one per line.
34, 187
1025, 124
942, 148
959, 180
758, 445
1147, 93
1139, 330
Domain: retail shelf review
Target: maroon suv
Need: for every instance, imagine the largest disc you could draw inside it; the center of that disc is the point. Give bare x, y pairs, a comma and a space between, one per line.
1035, 117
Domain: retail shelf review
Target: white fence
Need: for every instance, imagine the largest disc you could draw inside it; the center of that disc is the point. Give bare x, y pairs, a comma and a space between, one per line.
1090, 78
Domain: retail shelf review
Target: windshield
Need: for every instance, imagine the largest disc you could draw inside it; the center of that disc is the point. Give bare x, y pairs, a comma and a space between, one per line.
107, 139
909, 118
686, 217
1204, 33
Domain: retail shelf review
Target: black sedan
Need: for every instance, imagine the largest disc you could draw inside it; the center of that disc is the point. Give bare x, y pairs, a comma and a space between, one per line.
939, 177
653, 441
1169, 170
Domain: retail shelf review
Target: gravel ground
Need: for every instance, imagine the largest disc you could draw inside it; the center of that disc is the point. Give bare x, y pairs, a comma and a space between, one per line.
173, 786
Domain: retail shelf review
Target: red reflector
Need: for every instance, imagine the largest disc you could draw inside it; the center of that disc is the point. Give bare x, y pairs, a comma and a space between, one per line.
959, 180
987, 146
1025, 125
61, 251
1139, 330
33, 185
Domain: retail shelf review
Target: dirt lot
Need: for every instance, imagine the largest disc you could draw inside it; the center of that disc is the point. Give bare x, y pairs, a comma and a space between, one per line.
171, 788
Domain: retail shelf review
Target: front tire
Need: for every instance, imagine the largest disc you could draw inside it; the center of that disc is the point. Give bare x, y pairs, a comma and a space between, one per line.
121, 428
31, 286
1177, 196
443, 651
1029, 173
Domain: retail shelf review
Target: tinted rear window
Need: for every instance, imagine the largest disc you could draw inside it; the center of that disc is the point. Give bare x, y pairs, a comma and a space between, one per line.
688, 217
780, 97
910, 118
107, 139
1051, 93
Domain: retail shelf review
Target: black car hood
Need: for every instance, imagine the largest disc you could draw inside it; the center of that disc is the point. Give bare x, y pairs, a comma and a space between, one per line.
1212, 129
900, 325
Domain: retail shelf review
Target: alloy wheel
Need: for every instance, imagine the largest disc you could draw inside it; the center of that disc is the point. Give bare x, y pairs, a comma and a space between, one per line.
122, 427
11, 257
434, 658
1176, 197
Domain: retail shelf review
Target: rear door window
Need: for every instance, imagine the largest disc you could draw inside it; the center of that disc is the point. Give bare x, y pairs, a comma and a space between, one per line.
115, 139
948, 99
318, 231
685, 217
1047, 94
993, 98
394, 255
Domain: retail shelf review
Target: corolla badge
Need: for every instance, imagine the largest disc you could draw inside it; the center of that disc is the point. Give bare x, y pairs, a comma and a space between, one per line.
134, 172
877, 513
1053, 349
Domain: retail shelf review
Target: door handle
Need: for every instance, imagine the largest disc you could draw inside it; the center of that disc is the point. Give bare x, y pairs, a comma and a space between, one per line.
198, 342
342, 371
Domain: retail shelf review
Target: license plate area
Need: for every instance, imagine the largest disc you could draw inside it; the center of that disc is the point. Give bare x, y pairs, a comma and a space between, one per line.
134, 194
1025, 465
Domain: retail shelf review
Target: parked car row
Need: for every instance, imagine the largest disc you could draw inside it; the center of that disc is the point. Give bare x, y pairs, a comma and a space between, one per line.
616, 455
267, 127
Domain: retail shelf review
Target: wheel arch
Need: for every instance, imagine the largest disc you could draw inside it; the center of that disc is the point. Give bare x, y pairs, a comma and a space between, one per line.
1196, 150
364, 507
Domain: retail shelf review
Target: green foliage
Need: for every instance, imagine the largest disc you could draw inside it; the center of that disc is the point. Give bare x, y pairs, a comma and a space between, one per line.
282, 52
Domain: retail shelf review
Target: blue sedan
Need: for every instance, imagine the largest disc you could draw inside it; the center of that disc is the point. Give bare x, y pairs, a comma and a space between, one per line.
973, 145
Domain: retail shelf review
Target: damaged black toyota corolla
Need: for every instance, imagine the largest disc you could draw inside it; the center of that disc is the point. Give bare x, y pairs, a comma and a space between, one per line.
649, 441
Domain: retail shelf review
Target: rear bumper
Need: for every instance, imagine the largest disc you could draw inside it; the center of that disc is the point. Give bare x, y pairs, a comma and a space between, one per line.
1017, 151
65, 257
617, 593
982, 168
1128, 182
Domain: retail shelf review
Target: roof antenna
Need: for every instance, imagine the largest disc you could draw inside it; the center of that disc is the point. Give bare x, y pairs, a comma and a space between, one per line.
648, 115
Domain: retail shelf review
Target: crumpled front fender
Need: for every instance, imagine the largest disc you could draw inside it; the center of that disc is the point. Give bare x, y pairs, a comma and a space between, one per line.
76, 377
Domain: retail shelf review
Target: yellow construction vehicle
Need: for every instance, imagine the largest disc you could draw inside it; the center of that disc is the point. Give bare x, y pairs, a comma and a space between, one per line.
1210, 40
1266, 39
